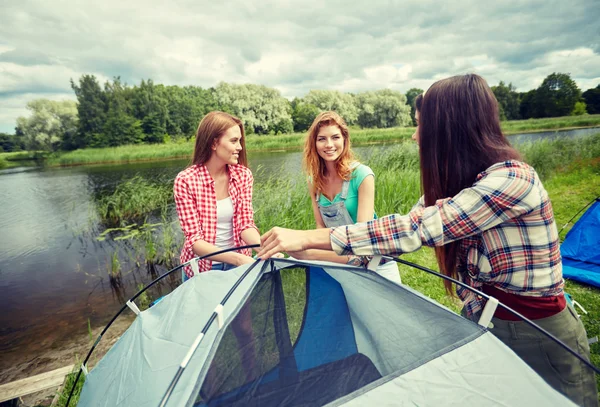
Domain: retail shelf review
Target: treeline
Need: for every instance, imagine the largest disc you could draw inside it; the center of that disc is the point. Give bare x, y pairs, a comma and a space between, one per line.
117, 114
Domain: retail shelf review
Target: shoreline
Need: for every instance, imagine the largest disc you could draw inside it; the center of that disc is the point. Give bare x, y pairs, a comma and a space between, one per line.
298, 147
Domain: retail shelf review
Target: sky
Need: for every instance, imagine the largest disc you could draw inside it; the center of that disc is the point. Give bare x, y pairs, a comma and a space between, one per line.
293, 46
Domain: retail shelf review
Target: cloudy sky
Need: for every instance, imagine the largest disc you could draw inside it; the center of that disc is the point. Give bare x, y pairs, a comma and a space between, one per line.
292, 46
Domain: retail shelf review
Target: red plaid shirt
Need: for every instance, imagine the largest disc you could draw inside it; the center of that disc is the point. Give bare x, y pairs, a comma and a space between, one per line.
196, 203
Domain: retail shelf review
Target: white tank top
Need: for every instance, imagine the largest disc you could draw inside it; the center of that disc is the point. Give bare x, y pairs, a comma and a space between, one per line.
224, 238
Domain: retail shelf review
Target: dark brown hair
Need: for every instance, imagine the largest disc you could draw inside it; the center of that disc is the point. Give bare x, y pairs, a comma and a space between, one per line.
459, 137
211, 127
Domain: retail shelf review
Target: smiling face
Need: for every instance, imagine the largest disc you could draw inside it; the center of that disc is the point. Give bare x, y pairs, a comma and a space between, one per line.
330, 143
227, 148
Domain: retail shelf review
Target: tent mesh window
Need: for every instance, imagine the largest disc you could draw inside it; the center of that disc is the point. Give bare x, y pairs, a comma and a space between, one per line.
301, 339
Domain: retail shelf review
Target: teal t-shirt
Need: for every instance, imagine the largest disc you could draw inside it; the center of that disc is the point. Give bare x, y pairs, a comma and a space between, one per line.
351, 203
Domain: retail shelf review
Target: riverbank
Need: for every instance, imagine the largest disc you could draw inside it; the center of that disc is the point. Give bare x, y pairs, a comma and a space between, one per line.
287, 142
570, 170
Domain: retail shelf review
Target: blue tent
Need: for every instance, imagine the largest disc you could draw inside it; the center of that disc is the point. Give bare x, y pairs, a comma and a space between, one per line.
291, 333
581, 248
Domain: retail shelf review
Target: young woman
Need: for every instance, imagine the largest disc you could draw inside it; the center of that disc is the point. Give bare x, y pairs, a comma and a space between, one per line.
342, 190
491, 222
213, 196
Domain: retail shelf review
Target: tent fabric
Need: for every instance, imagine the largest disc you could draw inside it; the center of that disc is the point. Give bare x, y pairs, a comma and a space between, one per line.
309, 334
581, 248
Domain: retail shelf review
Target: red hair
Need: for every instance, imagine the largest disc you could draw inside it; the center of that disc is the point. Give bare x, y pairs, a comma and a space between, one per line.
313, 164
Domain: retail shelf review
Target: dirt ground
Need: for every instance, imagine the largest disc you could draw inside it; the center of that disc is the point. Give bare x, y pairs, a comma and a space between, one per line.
56, 358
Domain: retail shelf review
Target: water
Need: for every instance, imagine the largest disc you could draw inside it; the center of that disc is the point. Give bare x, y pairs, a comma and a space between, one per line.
53, 269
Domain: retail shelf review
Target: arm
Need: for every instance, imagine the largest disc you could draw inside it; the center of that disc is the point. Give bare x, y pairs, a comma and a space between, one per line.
366, 200
503, 194
315, 207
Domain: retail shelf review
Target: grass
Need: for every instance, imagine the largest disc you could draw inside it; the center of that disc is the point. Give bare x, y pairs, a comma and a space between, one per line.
570, 171
132, 201
183, 149
551, 123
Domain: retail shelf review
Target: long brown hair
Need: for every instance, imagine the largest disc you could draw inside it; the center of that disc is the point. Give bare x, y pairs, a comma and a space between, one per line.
313, 164
459, 137
211, 127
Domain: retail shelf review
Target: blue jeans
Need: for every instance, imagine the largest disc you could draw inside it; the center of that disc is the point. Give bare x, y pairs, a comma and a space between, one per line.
215, 267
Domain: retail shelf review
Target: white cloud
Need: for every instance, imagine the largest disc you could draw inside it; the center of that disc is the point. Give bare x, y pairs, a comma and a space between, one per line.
292, 46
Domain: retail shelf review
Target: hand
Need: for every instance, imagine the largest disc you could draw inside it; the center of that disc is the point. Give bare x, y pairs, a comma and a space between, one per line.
278, 255
242, 259
280, 240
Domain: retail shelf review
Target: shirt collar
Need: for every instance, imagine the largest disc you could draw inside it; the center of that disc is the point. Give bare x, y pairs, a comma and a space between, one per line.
206, 178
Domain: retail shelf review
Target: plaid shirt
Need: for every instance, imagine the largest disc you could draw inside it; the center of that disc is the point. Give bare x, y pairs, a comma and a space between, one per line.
505, 224
196, 203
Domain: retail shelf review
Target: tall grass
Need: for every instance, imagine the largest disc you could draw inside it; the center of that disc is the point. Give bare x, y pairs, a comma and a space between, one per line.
132, 201
3, 163
550, 123
294, 141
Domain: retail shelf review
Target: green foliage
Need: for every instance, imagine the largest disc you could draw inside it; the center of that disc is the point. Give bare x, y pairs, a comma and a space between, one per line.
411, 95
556, 96
263, 110
579, 109
11, 143
50, 121
63, 396
303, 114
383, 108
91, 108
551, 156
592, 100
342, 103
132, 201
508, 101
3, 163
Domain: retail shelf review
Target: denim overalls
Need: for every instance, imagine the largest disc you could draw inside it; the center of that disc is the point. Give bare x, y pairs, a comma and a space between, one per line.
337, 214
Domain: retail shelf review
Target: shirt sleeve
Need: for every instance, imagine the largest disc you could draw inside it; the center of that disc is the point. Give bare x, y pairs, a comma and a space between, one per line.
359, 174
499, 196
246, 211
187, 211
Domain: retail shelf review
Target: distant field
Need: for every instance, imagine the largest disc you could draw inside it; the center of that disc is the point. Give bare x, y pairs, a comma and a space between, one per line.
294, 141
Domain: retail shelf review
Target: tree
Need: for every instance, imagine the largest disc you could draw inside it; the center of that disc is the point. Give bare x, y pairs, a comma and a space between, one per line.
303, 114
556, 96
263, 110
579, 109
150, 108
383, 108
342, 103
91, 111
508, 101
11, 142
48, 124
526, 106
592, 100
411, 95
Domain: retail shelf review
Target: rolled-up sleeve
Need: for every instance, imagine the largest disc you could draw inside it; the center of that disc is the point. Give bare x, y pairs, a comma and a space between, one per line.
187, 211
501, 195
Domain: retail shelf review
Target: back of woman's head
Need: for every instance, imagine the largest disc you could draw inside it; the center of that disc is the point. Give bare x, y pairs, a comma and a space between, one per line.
459, 135
211, 128
313, 164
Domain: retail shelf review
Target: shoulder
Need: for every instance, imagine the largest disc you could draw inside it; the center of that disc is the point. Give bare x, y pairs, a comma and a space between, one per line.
360, 173
510, 170
241, 173
191, 173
